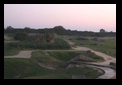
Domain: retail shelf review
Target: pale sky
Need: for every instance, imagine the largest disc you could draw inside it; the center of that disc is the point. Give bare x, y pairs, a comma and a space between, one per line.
82, 17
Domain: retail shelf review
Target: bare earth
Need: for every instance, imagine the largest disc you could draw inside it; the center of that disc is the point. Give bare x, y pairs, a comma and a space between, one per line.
21, 54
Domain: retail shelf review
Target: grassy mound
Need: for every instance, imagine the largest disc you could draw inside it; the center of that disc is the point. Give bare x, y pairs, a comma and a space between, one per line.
25, 68
30, 68
63, 55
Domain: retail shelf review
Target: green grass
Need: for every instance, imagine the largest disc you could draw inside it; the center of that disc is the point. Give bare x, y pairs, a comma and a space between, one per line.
25, 45
20, 68
63, 55
67, 73
93, 56
107, 46
40, 57
26, 68
29, 68
10, 52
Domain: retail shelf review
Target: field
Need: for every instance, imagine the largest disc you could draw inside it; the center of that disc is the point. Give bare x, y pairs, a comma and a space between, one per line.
65, 56
13, 47
48, 61
30, 68
9, 51
106, 45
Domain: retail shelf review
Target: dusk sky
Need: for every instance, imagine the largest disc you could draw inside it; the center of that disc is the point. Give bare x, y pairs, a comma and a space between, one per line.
82, 17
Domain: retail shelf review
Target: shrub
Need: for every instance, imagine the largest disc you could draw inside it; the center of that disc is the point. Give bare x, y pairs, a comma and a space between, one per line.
113, 64
58, 44
21, 36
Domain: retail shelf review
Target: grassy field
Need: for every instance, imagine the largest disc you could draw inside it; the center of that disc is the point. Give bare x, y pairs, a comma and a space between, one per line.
65, 56
26, 68
20, 68
40, 57
25, 45
10, 52
30, 69
67, 73
107, 45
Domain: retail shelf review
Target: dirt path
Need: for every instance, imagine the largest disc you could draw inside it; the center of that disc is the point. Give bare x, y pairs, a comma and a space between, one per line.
21, 54
109, 73
107, 58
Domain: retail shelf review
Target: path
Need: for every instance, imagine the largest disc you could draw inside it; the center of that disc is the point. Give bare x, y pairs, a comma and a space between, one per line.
109, 73
21, 54
107, 58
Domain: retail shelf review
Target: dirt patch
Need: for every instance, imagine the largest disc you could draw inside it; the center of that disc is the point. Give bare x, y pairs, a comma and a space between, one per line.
46, 66
21, 54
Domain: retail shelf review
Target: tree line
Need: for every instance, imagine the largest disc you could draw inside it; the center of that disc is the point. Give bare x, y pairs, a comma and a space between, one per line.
60, 30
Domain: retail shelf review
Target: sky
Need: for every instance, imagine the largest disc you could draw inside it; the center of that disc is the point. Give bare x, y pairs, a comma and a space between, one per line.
82, 17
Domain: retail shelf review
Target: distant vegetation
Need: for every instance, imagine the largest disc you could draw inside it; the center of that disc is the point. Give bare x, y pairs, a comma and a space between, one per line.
60, 30
40, 39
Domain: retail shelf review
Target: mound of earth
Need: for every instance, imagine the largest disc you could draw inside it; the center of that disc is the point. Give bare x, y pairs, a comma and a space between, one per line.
82, 58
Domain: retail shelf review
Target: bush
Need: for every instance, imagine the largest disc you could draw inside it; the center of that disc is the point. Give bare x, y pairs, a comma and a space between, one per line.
58, 44
82, 38
88, 51
113, 64
21, 36
63, 55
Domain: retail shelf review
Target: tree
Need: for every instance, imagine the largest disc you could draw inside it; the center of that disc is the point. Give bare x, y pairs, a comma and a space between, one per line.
102, 30
27, 28
90, 53
59, 27
9, 28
